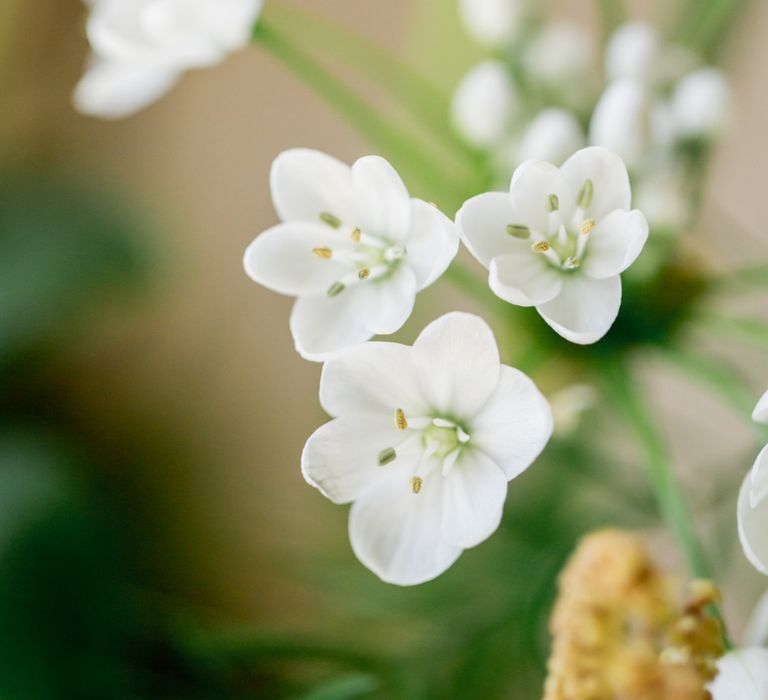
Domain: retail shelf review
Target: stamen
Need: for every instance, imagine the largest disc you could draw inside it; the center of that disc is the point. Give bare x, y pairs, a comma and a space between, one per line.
394, 252
585, 196
443, 423
330, 219
541, 247
450, 461
518, 231
562, 236
462, 435
416, 484
553, 203
363, 273
324, 253
586, 226
571, 263
400, 420
387, 455
335, 289
356, 234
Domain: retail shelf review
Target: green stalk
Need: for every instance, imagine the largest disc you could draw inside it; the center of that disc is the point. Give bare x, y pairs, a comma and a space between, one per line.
703, 23
612, 14
368, 121
669, 497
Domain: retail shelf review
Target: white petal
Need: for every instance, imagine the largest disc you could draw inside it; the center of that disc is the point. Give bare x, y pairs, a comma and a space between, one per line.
552, 136
281, 259
473, 499
753, 527
524, 278
633, 52
397, 534
372, 378
514, 425
621, 122
306, 183
756, 633
585, 309
117, 32
493, 22
759, 479
700, 104
742, 675
383, 203
322, 325
483, 222
615, 243
760, 414
112, 90
532, 185
389, 301
458, 364
341, 458
432, 243
485, 104
610, 181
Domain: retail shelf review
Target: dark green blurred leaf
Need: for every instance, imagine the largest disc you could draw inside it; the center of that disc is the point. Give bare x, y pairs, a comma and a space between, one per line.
351, 687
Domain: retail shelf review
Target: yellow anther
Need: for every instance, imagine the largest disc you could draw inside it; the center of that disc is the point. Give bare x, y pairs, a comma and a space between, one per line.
387, 455
324, 253
400, 420
416, 483
540, 247
586, 226
363, 273
356, 234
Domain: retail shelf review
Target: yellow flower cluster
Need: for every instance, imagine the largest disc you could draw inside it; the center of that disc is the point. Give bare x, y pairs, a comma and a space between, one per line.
622, 631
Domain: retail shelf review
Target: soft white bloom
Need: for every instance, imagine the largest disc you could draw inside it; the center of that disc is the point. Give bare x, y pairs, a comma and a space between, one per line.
142, 47
423, 442
742, 675
699, 105
621, 120
353, 247
569, 405
494, 22
753, 502
633, 51
662, 196
485, 104
559, 240
554, 135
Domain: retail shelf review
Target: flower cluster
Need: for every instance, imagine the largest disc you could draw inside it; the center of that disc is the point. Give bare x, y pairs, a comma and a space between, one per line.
140, 48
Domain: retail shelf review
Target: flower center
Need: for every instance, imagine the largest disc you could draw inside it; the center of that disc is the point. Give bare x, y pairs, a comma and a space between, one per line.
371, 257
439, 440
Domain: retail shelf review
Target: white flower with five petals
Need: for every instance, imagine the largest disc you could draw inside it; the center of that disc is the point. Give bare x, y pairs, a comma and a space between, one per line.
354, 248
753, 502
559, 240
142, 47
423, 442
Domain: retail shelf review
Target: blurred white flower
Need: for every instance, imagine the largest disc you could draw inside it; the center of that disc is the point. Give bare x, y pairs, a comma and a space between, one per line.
742, 675
633, 51
753, 502
559, 240
569, 404
560, 62
663, 198
622, 121
485, 104
142, 47
494, 22
423, 442
699, 104
353, 247
554, 135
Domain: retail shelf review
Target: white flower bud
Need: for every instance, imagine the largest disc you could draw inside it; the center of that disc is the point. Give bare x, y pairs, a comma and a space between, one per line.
493, 22
700, 103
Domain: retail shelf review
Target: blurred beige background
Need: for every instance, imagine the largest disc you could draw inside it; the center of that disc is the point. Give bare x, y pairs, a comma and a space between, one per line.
203, 361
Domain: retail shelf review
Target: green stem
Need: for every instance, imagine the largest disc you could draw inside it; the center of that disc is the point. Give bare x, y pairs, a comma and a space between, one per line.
370, 122
669, 496
703, 24
612, 14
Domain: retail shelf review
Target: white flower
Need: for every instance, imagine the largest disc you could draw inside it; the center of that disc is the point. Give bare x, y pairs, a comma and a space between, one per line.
353, 247
554, 135
559, 240
753, 502
142, 47
699, 105
423, 442
621, 120
494, 22
485, 104
633, 51
742, 675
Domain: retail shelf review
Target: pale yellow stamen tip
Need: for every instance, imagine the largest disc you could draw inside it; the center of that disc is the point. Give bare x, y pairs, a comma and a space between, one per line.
540, 247
355, 235
400, 420
363, 273
586, 226
416, 483
324, 253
